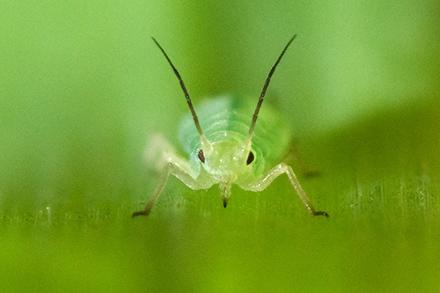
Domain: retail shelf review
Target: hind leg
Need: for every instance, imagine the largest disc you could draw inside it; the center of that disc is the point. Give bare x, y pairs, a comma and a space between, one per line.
278, 170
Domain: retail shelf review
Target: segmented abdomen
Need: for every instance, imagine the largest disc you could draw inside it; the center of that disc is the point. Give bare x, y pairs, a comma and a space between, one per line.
229, 117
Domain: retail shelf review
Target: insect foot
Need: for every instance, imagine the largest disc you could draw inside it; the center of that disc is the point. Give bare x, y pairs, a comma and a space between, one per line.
320, 213
140, 213
312, 174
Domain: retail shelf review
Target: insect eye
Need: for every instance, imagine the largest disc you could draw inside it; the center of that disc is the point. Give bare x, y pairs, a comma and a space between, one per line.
201, 156
250, 158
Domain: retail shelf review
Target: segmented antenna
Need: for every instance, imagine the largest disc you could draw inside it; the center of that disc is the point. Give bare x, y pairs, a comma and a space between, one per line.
185, 91
266, 85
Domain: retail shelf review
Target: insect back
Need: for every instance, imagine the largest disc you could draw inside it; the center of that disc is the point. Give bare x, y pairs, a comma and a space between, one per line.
226, 119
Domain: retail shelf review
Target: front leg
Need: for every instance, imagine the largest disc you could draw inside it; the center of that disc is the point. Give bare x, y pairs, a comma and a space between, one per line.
278, 170
173, 167
162, 154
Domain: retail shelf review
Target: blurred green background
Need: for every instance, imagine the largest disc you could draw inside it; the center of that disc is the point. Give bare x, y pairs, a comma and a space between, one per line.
82, 86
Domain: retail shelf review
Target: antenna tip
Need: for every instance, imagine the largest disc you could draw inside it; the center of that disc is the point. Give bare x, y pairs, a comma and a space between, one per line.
292, 38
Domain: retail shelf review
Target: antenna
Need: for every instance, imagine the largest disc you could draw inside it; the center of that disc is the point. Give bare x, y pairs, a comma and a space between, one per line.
185, 92
266, 85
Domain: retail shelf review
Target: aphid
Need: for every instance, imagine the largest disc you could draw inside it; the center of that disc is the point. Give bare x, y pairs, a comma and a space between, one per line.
225, 148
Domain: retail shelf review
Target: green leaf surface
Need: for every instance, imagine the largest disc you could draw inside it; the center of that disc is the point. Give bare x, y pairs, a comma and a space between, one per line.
82, 87
379, 182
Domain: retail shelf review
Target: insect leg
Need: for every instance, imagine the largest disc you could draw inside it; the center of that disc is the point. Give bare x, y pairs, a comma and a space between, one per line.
157, 192
278, 170
158, 151
177, 167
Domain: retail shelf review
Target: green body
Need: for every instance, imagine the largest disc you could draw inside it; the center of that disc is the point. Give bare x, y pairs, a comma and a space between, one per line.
227, 119
229, 140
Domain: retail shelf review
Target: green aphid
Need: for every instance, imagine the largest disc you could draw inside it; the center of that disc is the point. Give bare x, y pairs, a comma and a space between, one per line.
226, 147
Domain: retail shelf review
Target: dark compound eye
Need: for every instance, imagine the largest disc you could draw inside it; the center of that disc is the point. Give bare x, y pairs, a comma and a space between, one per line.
201, 156
250, 158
